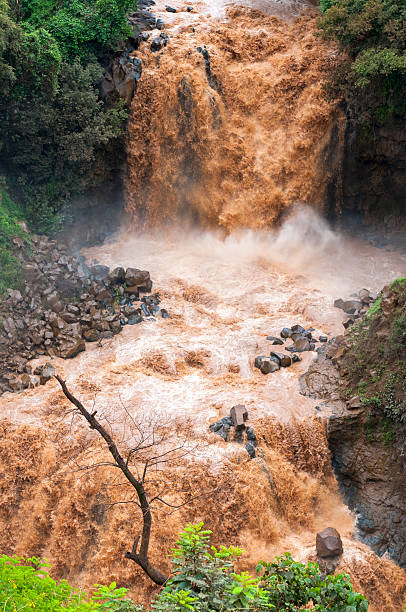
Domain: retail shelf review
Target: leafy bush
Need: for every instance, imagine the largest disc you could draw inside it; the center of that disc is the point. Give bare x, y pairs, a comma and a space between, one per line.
25, 585
58, 140
371, 72
9, 227
204, 580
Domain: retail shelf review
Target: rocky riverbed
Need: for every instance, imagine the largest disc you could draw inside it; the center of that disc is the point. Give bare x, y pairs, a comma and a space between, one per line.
63, 303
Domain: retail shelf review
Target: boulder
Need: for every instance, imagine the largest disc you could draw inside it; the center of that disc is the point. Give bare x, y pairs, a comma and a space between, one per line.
116, 276
298, 329
136, 278
70, 347
323, 338
328, 543
170, 9
286, 332
351, 306
239, 415
268, 366
99, 272
302, 344
339, 303
251, 450
45, 372
91, 335
258, 361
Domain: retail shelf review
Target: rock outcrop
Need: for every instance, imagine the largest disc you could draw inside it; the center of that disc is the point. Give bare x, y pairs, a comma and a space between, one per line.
361, 379
62, 304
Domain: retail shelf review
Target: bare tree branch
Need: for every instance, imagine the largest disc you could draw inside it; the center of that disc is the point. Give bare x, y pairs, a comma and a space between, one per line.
140, 558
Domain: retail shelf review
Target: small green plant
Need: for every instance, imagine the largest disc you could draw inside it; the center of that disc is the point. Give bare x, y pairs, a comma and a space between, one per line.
25, 585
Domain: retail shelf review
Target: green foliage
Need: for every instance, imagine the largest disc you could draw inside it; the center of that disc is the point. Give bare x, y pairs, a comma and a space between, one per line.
9, 227
204, 580
57, 138
371, 72
376, 358
291, 586
24, 585
80, 27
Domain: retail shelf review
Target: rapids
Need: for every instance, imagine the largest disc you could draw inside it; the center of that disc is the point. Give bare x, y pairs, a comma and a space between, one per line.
235, 157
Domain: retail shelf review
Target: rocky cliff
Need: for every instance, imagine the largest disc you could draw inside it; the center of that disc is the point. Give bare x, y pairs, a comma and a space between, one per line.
361, 378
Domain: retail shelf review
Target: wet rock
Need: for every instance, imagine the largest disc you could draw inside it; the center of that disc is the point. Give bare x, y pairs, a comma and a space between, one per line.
251, 450
296, 358
189, 9
365, 296
45, 373
351, 306
134, 319
251, 436
170, 9
268, 366
301, 345
116, 276
339, 304
137, 278
323, 338
159, 24
298, 329
286, 332
70, 347
258, 361
348, 321
328, 543
239, 415
274, 340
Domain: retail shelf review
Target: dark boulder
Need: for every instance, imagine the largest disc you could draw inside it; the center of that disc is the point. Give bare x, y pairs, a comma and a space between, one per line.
286, 332
274, 340
170, 9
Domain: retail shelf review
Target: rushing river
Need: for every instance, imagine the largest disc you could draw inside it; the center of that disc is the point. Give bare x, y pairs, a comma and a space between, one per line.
254, 153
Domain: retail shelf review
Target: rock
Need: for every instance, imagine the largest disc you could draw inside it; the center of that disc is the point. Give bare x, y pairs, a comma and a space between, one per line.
116, 276
268, 366
286, 361
354, 403
70, 347
348, 321
54, 302
189, 9
170, 9
134, 319
258, 361
286, 332
296, 358
99, 272
323, 338
351, 306
339, 304
298, 329
274, 340
365, 296
91, 335
251, 450
328, 543
159, 24
302, 344
251, 436
276, 356
137, 278
239, 415
45, 372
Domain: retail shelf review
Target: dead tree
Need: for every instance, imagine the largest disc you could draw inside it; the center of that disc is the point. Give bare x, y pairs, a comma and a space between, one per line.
139, 552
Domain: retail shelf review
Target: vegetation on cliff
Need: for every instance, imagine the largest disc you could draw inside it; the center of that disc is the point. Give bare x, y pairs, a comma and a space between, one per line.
375, 356
204, 579
57, 137
371, 70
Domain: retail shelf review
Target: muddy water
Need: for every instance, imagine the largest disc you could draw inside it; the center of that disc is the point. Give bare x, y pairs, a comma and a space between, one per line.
256, 146
223, 296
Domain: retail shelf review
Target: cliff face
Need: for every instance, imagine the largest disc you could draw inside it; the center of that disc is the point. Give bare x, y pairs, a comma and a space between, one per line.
362, 379
374, 174
369, 462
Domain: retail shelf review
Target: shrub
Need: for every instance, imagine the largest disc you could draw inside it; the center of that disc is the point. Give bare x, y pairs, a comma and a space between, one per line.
371, 72
204, 580
9, 227
25, 585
